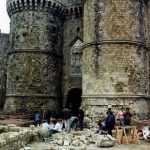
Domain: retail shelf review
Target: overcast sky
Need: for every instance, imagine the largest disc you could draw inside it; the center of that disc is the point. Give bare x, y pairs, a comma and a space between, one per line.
4, 19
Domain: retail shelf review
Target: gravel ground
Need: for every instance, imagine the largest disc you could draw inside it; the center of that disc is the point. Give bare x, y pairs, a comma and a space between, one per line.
47, 146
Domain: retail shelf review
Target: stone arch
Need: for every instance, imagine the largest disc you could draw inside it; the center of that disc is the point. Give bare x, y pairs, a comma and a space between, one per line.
74, 99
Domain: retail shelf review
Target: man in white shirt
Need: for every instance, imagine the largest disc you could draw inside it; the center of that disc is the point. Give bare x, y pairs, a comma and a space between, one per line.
57, 127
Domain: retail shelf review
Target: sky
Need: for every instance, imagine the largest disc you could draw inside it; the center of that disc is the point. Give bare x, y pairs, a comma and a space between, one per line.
4, 19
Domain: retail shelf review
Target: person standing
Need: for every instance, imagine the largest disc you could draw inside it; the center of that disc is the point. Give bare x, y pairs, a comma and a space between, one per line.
110, 122
108, 111
127, 117
81, 118
73, 122
37, 118
120, 116
66, 118
48, 116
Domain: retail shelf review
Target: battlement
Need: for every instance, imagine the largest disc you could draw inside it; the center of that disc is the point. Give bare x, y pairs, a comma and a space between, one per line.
74, 12
52, 6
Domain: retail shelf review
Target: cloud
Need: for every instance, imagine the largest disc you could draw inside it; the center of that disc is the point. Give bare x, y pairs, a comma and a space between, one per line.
4, 19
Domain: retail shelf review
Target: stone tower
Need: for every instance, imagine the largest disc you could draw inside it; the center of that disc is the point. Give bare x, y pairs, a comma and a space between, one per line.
115, 56
35, 57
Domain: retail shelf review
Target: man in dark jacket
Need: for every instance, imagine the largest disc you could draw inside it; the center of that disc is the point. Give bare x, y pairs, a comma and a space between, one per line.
48, 116
127, 117
110, 122
81, 118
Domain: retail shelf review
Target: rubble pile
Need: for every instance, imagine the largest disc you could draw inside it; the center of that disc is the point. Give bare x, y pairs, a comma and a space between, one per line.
79, 140
13, 137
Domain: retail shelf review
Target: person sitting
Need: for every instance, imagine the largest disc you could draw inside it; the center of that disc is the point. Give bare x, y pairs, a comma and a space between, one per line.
146, 131
45, 130
57, 127
73, 122
101, 127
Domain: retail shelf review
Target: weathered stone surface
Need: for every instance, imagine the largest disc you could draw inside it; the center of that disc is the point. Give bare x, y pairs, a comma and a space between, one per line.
34, 63
115, 60
4, 44
45, 58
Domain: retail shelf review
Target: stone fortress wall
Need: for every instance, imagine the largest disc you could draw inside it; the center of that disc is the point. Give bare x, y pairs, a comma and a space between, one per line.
4, 43
45, 59
115, 56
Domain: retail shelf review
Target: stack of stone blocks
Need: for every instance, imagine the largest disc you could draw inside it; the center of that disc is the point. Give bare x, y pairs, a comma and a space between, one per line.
13, 137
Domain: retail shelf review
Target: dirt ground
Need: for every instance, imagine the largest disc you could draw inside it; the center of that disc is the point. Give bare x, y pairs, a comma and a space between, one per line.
142, 146
18, 122
46, 146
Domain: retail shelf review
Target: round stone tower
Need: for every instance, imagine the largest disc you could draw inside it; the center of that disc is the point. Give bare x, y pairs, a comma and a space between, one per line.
35, 58
115, 56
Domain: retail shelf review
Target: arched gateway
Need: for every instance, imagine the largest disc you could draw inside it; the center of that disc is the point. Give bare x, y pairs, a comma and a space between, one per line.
74, 100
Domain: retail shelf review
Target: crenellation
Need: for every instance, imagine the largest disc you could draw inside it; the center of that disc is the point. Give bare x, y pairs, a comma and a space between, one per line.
35, 4
21, 2
47, 6
41, 5
11, 8
25, 4
19, 6
74, 12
